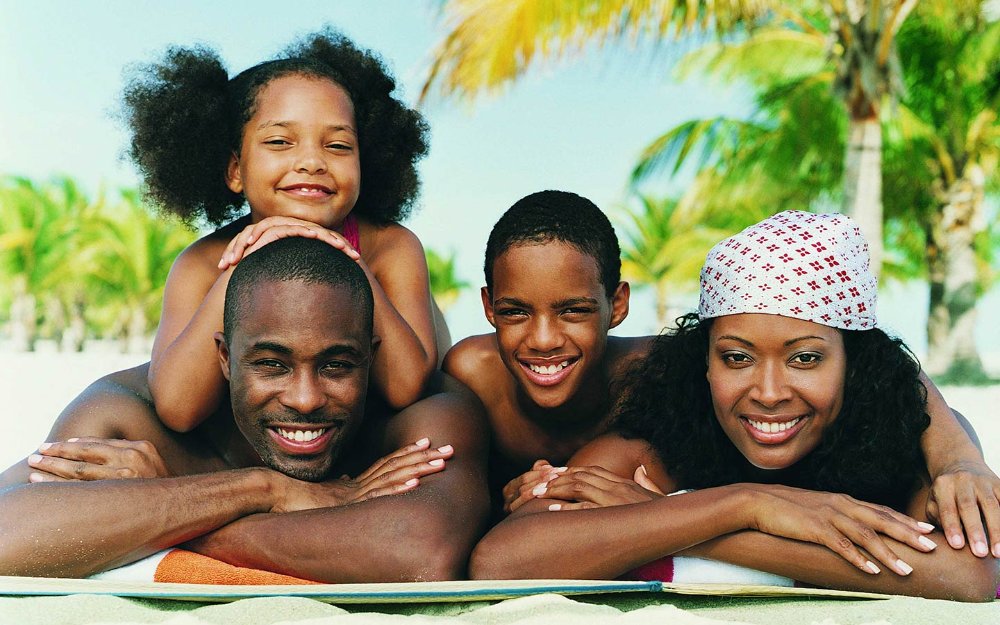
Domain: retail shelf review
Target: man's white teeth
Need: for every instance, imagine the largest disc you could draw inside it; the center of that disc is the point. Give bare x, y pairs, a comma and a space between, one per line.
549, 370
301, 436
771, 428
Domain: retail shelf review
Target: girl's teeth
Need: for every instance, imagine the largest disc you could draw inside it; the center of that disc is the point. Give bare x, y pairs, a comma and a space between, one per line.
549, 370
771, 428
301, 436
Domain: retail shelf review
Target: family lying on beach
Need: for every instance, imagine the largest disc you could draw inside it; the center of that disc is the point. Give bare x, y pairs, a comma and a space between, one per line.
304, 411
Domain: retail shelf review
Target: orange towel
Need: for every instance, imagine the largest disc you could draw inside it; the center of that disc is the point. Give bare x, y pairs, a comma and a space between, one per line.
189, 567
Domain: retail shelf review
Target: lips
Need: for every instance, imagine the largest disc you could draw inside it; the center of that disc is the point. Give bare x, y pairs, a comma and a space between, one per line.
771, 430
300, 440
548, 372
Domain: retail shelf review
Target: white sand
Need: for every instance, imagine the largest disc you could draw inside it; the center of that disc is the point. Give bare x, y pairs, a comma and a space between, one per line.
38, 386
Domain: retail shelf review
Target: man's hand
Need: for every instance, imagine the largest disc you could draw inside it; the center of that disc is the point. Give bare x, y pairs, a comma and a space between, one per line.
520, 489
89, 458
395, 473
596, 487
962, 495
270, 229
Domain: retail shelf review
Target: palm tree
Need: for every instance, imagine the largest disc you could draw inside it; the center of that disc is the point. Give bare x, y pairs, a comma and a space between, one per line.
445, 285
492, 42
664, 246
132, 250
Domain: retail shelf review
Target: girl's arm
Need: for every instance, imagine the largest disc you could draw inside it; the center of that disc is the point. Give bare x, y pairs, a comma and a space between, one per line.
184, 376
404, 322
606, 542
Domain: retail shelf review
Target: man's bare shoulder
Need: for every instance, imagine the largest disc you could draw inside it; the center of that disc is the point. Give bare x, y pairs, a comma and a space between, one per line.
622, 351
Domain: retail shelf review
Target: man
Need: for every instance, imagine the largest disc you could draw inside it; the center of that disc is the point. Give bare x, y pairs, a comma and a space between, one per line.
255, 489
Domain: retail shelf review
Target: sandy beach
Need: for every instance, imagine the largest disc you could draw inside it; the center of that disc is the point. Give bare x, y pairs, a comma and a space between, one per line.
37, 386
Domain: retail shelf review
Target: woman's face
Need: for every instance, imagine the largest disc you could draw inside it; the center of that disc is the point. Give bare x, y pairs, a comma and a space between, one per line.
777, 383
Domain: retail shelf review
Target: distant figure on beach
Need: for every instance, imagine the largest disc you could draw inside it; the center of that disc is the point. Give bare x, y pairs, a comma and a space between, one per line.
264, 485
789, 423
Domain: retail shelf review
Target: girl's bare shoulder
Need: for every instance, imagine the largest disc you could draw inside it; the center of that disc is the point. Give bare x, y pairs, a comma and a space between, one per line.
202, 256
387, 242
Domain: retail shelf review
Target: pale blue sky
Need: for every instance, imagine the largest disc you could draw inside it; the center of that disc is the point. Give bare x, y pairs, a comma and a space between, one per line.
577, 126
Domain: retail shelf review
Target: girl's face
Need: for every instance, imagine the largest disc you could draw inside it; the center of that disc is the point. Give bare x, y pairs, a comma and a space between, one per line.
299, 155
777, 383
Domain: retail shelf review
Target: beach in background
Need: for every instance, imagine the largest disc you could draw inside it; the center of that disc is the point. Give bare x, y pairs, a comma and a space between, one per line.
37, 386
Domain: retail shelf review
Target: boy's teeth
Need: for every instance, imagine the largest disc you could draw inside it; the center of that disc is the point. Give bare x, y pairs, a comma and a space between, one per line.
549, 370
301, 436
771, 428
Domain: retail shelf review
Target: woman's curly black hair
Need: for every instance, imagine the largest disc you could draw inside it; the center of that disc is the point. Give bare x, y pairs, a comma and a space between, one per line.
186, 118
871, 451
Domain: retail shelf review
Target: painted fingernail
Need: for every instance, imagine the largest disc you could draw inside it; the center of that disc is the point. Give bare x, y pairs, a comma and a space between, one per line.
903, 567
70, 440
33, 458
925, 526
996, 550
422, 442
980, 548
927, 542
35, 478
437, 462
955, 540
558, 469
872, 568
539, 490
44, 446
447, 449
555, 507
411, 482
644, 472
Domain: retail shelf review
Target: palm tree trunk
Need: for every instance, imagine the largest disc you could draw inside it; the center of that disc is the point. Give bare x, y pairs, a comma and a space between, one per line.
863, 182
135, 331
23, 318
954, 284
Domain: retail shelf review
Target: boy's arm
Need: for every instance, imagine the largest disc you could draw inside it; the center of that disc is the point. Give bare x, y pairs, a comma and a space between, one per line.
964, 490
424, 534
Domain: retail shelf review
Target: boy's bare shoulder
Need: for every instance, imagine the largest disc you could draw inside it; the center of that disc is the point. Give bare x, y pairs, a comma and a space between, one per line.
624, 350
474, 361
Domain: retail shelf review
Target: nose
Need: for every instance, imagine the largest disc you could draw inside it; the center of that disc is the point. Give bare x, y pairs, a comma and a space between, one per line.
304, 394
544, 335
310, 159
770, 385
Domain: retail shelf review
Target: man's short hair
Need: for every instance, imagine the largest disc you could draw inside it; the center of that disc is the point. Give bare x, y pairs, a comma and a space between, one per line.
549, 216
300, 259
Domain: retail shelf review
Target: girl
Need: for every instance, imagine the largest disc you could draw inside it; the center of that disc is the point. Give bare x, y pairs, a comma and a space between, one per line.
779, 389
315, 145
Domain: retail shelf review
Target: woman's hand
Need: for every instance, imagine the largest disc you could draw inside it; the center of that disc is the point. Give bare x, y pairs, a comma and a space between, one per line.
848, 527
270, 229
519, 490
596, 487
963, 495
395, 473
91, 458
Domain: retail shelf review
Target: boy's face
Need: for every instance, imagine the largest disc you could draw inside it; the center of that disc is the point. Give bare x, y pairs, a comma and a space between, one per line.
552, 318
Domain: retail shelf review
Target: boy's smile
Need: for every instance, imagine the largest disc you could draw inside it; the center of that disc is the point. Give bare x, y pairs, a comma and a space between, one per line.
552, 317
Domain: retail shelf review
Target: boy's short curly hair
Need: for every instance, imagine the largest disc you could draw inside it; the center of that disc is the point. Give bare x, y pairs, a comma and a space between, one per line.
186, 118
548, 216
871, 451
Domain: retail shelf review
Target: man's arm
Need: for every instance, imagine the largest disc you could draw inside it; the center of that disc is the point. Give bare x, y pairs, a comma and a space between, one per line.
424, 534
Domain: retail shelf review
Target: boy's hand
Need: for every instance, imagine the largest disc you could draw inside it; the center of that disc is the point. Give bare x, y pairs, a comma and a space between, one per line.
268, 230
395, 473
965, 494
596, 487
519, 490
89, 458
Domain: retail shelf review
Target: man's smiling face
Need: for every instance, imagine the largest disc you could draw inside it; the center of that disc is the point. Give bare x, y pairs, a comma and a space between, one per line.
297, 364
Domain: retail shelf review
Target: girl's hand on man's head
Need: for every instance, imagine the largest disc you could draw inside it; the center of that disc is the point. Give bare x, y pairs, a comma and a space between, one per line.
270, 229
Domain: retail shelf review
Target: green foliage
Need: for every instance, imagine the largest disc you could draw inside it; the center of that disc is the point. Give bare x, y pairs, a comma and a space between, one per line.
445, 285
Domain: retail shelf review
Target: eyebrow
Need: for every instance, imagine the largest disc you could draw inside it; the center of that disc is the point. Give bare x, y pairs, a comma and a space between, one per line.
278, 348
575, 301
786, 343
288, 124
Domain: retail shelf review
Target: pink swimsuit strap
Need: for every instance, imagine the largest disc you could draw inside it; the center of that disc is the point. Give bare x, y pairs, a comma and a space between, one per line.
350, 231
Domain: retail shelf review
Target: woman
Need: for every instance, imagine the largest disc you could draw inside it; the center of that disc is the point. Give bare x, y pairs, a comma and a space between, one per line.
795, 420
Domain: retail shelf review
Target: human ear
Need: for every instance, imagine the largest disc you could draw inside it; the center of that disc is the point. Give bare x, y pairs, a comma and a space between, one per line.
233, 178
619, 304
223, 351
484, 293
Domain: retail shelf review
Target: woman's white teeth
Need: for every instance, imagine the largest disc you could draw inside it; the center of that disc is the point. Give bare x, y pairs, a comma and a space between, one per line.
549, 370
771, 427
301, 436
